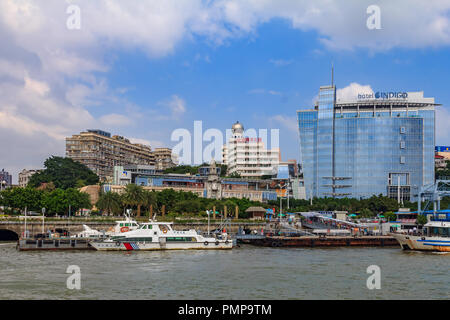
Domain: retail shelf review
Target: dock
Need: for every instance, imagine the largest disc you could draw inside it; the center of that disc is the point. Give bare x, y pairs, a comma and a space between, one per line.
54, 244
319, 241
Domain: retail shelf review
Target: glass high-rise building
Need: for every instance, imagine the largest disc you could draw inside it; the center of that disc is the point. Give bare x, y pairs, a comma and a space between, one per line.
376, 143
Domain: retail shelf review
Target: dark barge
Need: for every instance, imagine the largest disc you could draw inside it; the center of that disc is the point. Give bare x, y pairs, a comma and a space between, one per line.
54, 244
322, 241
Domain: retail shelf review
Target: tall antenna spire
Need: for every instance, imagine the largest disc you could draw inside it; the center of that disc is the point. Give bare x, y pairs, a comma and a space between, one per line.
332, 74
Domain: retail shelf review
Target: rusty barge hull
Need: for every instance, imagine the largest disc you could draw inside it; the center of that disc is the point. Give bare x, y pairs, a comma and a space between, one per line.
330, 241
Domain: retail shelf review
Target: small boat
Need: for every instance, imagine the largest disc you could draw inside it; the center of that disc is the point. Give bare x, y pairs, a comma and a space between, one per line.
160, 236
435, 237
88, 232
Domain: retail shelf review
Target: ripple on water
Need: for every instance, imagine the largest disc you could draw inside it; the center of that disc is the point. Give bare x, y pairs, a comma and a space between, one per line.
243, 273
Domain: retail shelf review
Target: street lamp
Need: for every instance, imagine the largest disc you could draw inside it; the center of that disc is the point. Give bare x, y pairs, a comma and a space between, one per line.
281, 197
43, 219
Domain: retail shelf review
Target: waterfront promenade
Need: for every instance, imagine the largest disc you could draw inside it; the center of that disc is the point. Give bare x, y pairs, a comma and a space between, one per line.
74, 225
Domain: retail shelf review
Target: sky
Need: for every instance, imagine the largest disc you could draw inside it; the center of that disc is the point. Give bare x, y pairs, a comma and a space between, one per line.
142, 69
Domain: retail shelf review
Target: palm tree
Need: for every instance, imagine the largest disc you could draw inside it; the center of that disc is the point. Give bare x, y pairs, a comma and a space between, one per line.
149, 198
109, 202
134, 196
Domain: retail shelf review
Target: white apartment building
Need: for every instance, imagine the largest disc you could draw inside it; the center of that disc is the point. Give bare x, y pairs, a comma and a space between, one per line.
248, 157
25, 175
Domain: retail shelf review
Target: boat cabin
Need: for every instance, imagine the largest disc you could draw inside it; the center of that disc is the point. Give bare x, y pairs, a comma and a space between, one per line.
437, 229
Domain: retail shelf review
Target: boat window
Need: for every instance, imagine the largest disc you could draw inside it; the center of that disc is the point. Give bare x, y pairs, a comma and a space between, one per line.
121, 224
178, 239
149, 239
443, 232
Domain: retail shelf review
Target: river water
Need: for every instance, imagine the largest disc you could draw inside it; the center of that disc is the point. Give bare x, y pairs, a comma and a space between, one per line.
247, 272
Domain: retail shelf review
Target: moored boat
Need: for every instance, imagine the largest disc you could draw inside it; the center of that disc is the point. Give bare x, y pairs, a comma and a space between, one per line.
160, 236
121, 226
435, 237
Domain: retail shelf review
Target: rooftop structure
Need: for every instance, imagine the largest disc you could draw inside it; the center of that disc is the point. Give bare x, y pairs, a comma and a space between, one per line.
247, 156
100, 152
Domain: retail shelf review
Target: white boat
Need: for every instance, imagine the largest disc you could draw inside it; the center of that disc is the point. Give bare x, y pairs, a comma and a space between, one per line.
88, 232
160, 236
121, 226
435, 237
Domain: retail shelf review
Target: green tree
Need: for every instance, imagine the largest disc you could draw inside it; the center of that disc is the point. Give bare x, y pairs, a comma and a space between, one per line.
183, 169
421, 219
60, 201
223, 170
188, 206
390, 216
64, 173
366, 213
149, 199
134, 196
21, 198
110, 202
234, 175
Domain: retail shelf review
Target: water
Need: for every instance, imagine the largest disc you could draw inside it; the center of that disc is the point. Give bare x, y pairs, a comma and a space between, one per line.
243, 273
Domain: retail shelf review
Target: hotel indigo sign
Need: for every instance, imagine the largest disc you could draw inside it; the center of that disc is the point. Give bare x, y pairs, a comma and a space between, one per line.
383, 95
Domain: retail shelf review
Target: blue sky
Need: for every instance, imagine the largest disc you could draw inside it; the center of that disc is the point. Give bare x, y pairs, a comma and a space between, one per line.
144, 68
273, 72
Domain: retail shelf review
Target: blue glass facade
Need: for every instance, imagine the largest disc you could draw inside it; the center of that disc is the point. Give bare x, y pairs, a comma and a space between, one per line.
357, 150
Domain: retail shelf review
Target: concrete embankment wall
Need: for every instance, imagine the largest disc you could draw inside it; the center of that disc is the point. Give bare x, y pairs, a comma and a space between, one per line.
35, 227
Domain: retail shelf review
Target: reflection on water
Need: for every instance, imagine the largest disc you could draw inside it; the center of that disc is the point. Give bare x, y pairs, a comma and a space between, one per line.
243, 273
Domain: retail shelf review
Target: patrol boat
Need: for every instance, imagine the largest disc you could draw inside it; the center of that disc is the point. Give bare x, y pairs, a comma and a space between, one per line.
160, 236
435, 237
123, 226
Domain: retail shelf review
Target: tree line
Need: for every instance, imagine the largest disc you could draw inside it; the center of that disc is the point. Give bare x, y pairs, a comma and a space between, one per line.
170, 201
56, 201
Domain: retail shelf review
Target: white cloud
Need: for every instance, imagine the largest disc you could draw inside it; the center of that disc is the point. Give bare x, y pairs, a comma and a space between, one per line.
342, 24
351, 91
177, 106
442, 127
41, 88
115, 120
287, 122
140, 141
50, 76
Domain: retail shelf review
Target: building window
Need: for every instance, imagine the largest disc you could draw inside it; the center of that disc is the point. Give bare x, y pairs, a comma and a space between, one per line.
402, 144
402, 130
402, 159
